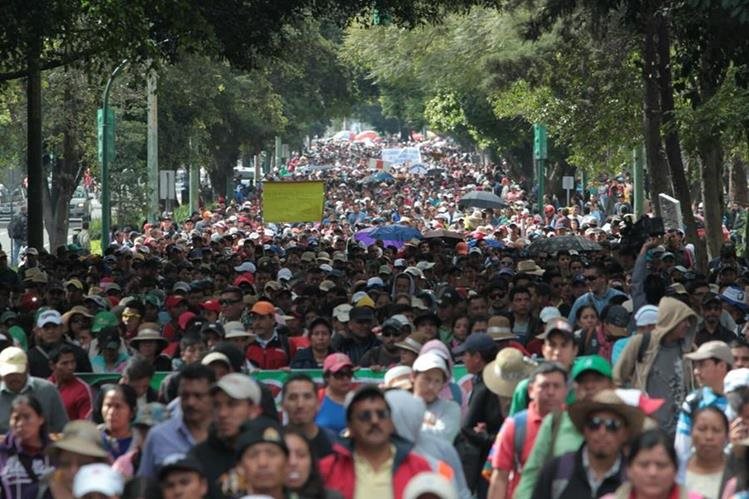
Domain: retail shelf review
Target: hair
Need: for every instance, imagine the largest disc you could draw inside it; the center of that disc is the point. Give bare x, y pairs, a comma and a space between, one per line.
297, 377
138, 368
320, 320
651, 439
739, 343
711, 408
313, 488
141, 487
518, 290
232, 352
547, 368
580, 310
56, 353
36, 406
600, 268
191, 338
197, 371
126, 391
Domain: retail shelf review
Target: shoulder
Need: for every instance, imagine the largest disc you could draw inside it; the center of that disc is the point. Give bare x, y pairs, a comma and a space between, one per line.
41, 385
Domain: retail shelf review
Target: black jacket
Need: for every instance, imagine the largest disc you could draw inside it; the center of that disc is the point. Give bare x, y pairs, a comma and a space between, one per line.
217, 457
39, 360
552, 484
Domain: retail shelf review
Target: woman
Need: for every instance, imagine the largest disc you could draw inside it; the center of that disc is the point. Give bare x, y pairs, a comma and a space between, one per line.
338, 371
303, 477
149, 344
76, 323
119, 405
110, 357
459, 331
150, 415
430, 375
589, 324
23, 460
652, 467
706, 467
313, 357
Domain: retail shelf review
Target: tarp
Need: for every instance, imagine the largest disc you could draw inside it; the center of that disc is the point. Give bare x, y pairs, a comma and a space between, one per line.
290, 202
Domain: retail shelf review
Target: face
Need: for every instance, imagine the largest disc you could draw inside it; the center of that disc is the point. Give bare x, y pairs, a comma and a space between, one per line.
589, 383
360, 327
192, 353
596, 282
265, 466
140, 385
428, 384
709, 372
300, 402
576, 268
339, 382
711, 312
15, 382
131, 318
25, 423
51, 333
407, 357
230, 413
319, 338
559, 348
478, 307
588, 319
740, 357
68, 464
548, 391
64, 368
429, 328
473, 362
652, 472
300, 462
148, 348
231, 305
181, 484
195, 399
402, 285
521, 303
370, 424
605, 433
460, 328
681, 330
115, 411
709, 435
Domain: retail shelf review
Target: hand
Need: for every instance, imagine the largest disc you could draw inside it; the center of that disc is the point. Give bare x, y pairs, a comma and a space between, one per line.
738, 431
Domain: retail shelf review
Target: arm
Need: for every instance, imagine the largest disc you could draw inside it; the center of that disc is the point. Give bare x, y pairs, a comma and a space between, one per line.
683, 441
498, 484
147, 467
538, 456
639, 273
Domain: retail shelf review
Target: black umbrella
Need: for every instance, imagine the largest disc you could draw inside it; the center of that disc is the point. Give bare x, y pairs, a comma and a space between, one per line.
482, 199
562, 243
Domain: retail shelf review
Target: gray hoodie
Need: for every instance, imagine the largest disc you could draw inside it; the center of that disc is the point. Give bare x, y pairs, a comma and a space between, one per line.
408, 415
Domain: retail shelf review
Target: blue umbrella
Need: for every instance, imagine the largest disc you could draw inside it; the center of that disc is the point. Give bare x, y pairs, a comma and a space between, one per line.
395, 232
492, 243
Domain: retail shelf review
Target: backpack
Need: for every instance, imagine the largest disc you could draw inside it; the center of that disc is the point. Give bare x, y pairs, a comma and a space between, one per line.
562, 474
521, 429
644, 344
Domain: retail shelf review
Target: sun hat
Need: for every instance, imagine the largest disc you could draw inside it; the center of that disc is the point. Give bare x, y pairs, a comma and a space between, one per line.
148, 332
529, 267
81, 437
13, 360
498, 328
98, 477
606, 400
413, 342
507, 369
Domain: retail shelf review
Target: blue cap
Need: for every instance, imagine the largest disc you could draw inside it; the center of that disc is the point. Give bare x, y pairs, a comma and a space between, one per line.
476, 342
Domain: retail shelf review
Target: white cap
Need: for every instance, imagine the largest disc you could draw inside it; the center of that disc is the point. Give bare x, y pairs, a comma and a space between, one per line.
375, 281
13, 360
399, 262
358, 296
341, 312
430, 483
647, 315
548, 313
735, 379
326, 268
424, 265
98, 477
430, 360
47, 317
245, 267
284, 274
240, 387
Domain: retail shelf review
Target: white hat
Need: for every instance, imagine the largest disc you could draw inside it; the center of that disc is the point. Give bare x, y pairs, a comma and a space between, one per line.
430, 483
430, 360
399, 262
358, 296
548, 313
340, 313
414, 271
284, 274
424, 265
239, 386
646, 315
735, 379
398, 377
47, 317
13, 360
375, 281
245, 267
98, 477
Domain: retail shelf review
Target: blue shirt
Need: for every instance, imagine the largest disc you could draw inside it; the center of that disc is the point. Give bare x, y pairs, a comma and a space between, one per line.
331, 415
164, 439
590, 298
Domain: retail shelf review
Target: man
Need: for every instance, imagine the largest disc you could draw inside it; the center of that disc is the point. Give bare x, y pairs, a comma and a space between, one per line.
427, 323
600, 293
524, 325
50, 337
8, 276
597, 467
712, 329
18, 230
300, 403
547, 388
75, 393
361, 338
711, 362
271, 348
236, 400
264, 459
740, 353
654, 362
370, 463
14, 370
182, 477
386, 355
483, 417
182, 432
233, 307
590, 375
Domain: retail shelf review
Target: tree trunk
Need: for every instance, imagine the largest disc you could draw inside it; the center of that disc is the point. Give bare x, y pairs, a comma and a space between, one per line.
656, 166
737, 188
672, 142
711, 156
35, 176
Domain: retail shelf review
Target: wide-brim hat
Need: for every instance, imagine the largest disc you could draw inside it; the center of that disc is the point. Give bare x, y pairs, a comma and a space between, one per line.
81, 437
509, 368
147, 334
606, 400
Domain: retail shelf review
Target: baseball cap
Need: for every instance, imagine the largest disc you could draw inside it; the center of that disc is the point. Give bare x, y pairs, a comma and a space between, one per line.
646, 315
617, 319
335, 362
579, 280
476, 342
431, 484
215, 357
712, 350
261, 431
211, 305
98, 477
548, 313
361, 314
245, 267
375, 282
13, 360
239, 386
179, 462
430, 360
591, 363
263, 308
341, 312
558, 324
735, 379
49, 317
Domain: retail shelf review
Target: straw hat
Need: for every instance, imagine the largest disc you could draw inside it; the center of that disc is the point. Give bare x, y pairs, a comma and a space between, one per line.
529, 267
498, 328
607, 400
81, 437
508, 369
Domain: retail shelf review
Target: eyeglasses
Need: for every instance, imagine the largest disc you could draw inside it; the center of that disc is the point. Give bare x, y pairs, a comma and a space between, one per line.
611, 425
226, 303
131, 316
368, 415
343, 374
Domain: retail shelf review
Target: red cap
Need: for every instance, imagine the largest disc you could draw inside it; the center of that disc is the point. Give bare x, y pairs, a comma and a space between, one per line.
184, 318
244, 279
211, 305
335, 362
173, 300
461, 248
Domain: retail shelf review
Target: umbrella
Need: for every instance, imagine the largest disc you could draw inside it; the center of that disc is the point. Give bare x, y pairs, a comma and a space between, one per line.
395, 232
377, 178
442, 234
367, 134
562, 243
482, 199
492, 243
365, 236
417, 169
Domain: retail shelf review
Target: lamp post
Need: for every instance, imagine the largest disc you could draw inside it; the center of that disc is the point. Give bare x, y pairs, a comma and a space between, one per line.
106, 205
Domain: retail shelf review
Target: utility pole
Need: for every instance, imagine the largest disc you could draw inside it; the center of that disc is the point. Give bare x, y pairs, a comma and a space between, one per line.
278, 152
106, 149
152, 149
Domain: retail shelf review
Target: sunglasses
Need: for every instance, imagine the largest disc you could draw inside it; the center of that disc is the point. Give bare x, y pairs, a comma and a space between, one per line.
368, 415
343, 374
611, 425
226, 303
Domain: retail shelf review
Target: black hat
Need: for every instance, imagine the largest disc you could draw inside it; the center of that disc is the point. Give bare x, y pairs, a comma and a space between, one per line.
710, 297
179, 462
261, 431
427, 317
365, 391
361, 313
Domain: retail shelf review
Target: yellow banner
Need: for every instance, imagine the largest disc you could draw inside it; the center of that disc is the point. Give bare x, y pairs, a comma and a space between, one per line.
289, 202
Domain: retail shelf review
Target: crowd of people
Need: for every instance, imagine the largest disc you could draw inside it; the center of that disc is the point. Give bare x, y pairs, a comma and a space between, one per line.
610, 369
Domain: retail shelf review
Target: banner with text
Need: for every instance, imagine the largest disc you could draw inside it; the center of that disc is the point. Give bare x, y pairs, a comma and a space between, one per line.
398, 156
290, 202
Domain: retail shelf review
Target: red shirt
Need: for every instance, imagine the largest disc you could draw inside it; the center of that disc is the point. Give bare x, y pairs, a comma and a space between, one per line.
504, 457
76, 397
